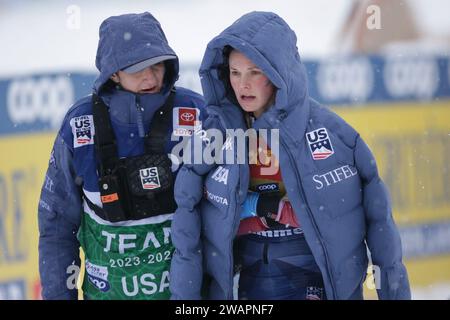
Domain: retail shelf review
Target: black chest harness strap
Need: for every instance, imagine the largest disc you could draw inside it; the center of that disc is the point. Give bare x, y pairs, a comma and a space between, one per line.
135, 187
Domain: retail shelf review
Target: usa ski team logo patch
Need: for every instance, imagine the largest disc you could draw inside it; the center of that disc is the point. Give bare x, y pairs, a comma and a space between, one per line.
150, 178
82, 130
184, 120
319, 144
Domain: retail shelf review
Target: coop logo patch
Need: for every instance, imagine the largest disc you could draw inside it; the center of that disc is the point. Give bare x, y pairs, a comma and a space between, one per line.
319, 144
267, 187
82, 130
150, 178
184, 120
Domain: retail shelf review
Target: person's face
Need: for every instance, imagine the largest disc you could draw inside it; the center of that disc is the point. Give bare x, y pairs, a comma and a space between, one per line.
253, 90
148, 80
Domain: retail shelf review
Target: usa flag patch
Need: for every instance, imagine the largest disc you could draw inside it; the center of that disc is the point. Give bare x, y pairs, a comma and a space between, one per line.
319, 144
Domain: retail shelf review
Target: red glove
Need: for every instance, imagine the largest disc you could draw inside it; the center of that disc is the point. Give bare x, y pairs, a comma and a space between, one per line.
286, 215
250, 225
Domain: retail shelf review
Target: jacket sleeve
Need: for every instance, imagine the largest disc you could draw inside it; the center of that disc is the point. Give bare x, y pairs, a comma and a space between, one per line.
186, 271
382, 237
59, 219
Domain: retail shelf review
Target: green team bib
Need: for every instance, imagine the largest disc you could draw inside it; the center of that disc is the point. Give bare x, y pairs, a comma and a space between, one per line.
126, 261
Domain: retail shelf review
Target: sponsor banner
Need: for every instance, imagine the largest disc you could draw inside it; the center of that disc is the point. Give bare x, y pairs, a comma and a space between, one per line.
22, 171
411, 145
13, 289
355, 80
39, 102
426, 239
359, 79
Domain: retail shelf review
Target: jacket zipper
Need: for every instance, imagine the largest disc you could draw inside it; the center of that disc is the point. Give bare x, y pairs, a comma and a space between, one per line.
235, 225
221, 119
139, 117
228, 294
316, 229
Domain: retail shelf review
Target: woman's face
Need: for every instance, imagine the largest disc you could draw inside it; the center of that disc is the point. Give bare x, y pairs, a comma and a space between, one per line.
253, 90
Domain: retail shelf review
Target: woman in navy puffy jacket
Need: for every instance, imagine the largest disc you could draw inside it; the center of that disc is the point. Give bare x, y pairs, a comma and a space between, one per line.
304, 230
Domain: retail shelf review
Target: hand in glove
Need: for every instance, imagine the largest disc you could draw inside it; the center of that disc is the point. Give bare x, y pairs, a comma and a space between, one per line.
270, 208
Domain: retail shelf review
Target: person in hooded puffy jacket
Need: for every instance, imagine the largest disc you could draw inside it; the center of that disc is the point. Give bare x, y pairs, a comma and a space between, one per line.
308, 227
109, 183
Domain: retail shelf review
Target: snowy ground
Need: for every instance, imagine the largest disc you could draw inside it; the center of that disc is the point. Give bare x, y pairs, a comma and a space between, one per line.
434, 292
